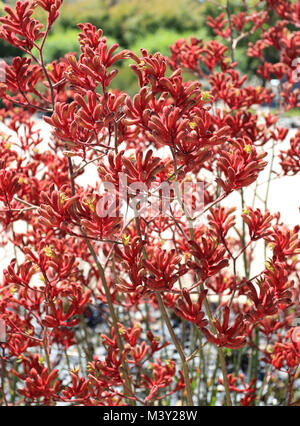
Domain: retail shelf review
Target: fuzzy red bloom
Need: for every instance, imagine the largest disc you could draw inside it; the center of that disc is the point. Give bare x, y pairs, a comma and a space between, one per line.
240, 167
163, 272
9, 186
79, 388
284, 242
286, 351
258, 224
277, 277
19, 28
143, 168
191, 311
221, 220
229, 337
162, 378
248, 391
55, 209
290, 159
104, 220
263, 301
38, 382
210, 257
132, 256
58, 315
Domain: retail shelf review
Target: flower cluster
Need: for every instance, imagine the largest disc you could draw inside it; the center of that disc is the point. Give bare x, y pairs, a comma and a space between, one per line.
97, 293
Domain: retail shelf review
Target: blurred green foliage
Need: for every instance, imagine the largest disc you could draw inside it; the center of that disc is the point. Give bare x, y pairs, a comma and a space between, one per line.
128, 20
7, 52
151, 24
160, 40
61, 42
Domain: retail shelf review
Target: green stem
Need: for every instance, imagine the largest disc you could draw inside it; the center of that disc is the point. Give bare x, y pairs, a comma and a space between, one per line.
125, 369
213, 379
178, 348
2, 378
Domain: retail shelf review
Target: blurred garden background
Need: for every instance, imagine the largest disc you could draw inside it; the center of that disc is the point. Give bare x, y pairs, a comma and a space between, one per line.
151, 24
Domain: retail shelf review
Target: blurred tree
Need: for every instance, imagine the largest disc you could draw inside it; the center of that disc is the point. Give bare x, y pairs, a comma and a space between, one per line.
127, 20
152, 24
